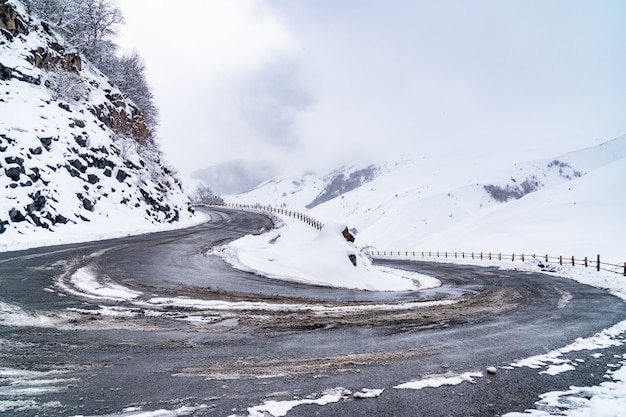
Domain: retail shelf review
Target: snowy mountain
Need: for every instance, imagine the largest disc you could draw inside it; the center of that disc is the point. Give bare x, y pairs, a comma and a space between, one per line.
73, 149
570, 204
234, 177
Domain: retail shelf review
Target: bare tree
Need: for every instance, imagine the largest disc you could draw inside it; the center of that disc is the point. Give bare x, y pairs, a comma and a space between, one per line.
66, 85
204, 195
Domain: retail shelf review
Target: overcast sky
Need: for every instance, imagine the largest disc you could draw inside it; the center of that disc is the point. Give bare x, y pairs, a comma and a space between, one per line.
315, 84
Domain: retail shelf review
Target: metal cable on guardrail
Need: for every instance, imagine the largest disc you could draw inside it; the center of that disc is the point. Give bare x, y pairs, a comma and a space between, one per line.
586, 261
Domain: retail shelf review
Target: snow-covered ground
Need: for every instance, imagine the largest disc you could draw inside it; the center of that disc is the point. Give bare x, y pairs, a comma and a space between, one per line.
297, 251
117, 224
435, 203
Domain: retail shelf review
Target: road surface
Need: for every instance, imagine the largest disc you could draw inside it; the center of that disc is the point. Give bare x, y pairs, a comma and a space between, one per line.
155, 322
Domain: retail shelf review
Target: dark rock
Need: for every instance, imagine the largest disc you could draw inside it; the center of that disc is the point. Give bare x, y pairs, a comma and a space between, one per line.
130, 165
352, 258
6, 73
121, 175
39, 202
347, 235
81, 140
92, 179
60, 219
107, 172
36, 151
14, 160
88, 204
35, 220
102, 163
65, 107
35, 176
73, 172
46, 142
78, 165
16, 216
13, 173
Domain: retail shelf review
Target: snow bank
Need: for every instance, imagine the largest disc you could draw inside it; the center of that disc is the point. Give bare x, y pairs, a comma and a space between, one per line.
298, 252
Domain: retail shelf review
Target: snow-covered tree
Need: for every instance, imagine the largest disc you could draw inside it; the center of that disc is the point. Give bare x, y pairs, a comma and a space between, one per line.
128, 73
90, 26
66, 85
204, 195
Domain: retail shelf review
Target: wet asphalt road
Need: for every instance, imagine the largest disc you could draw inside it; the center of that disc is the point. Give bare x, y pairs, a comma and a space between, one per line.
165, 357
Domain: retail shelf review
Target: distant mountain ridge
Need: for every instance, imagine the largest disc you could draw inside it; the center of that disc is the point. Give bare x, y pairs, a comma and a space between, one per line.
72, 147
419, 203
234, 177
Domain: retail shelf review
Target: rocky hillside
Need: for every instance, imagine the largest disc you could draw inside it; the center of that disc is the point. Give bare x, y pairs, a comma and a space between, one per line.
72, 148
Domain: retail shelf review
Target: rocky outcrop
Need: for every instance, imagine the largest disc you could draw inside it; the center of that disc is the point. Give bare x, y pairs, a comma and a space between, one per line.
123, 118
55, 57
344, 181
347, 235
11, 23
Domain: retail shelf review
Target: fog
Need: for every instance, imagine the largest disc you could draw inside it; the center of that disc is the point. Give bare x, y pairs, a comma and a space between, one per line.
317, 84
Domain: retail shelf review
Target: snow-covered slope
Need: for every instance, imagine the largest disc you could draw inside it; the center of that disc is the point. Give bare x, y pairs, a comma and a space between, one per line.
571, 204
73, 151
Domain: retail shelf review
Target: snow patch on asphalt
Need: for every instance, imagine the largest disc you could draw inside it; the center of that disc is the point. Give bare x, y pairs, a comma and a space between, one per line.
139, 412
251, 305
87, 284
605, 400
14, 316
556, 365
281, 408
440, 380
18, 386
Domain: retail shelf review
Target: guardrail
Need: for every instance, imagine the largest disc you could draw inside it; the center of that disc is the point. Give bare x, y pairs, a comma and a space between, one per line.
586, 262
279, 210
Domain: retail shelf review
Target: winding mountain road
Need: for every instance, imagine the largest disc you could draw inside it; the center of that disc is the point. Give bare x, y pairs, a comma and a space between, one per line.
155, 322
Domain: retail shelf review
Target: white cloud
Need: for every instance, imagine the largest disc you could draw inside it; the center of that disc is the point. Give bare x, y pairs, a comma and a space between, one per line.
286, 81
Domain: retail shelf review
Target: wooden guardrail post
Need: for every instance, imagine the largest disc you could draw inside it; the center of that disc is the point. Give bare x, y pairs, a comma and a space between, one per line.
585, 262
513, 258
573, 261
598, 264
560, 259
